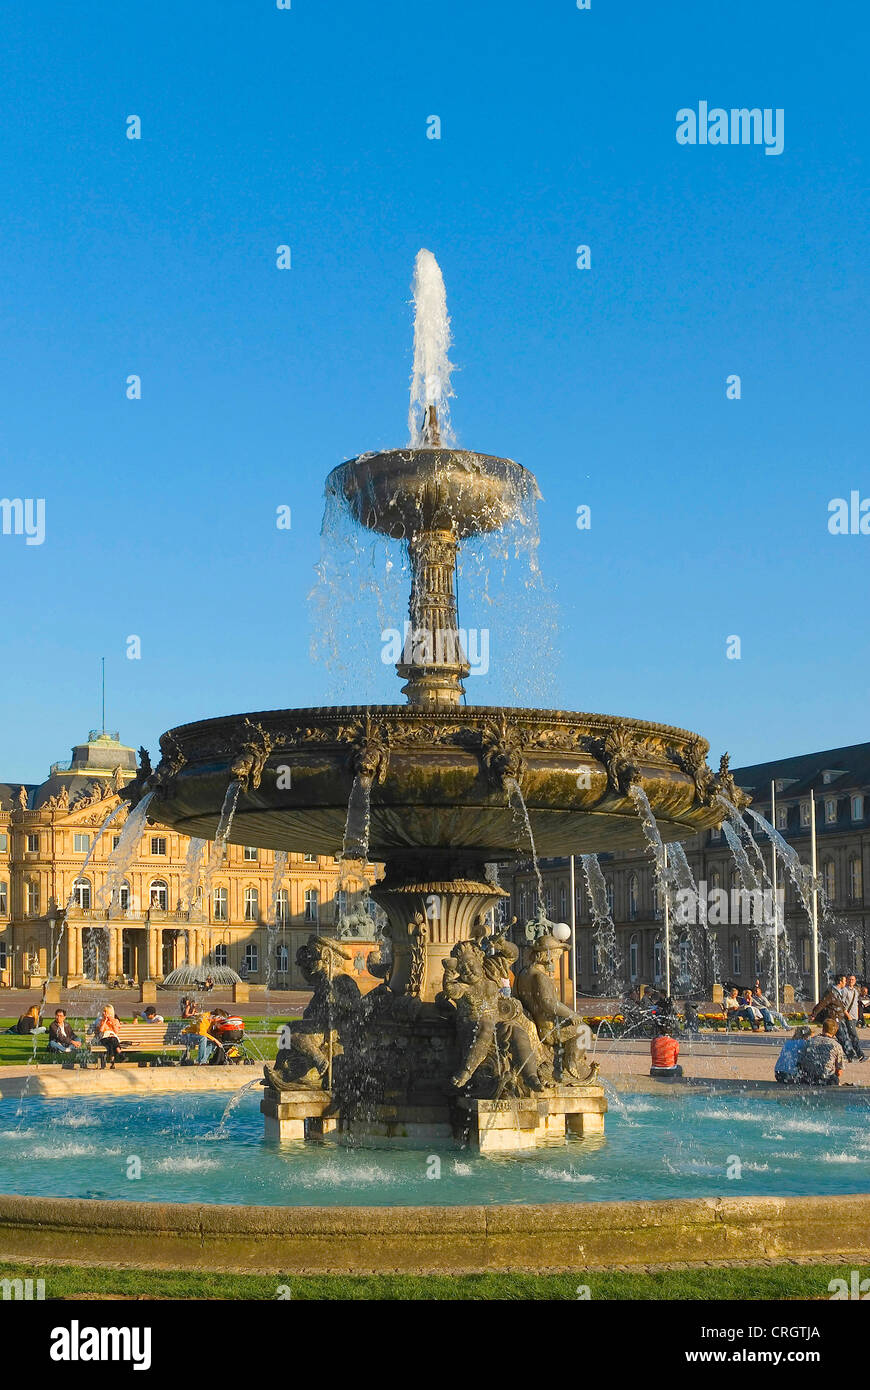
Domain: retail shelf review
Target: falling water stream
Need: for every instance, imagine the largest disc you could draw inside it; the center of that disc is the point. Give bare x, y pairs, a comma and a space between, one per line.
222, 835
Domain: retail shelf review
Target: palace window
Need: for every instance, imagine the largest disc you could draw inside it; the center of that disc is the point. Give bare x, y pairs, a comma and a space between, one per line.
596, 955
715, 879
805, 813
219, 902
608, 884
685, 972
33, 844
309, 859
282, 907
857, 808
311, 901
715, 833
633, 958
221, 954
806, 955
31, 899
124, 897
4, 899
831, 811
563, 902
782, 818
81, 844
158, 844
340, 903
578, 901
658, 957
656, 904
548, 902
116, 840
632, 897
252, 958
4, 957
282, 960
829, 878
158, 894
856, 879
250, 853
736, 957
831, 949
4, 843
252, 904
82, 891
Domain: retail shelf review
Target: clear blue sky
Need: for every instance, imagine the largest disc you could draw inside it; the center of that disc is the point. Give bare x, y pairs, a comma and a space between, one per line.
308, 127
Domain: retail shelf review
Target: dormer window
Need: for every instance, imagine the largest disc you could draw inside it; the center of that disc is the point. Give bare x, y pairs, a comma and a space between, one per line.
857, 808
831, 811
782, 818
805, 813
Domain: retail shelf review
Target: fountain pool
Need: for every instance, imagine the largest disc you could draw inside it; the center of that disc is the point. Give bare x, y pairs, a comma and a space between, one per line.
678, 1145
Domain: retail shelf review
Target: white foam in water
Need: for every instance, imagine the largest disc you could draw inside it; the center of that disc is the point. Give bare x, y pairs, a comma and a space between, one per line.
564, 1175
806, 1126
69, 1149
460, 1169
186, 1163
749, 1116
76, 1121
843, 1158
334, 1174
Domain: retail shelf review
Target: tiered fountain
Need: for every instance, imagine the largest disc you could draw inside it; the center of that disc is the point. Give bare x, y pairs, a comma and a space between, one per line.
438, 1049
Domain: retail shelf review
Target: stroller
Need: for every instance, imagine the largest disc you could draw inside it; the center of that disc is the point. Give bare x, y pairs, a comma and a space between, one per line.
228, 1031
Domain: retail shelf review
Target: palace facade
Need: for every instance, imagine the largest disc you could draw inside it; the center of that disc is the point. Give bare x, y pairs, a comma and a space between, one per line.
731, 951
49, 859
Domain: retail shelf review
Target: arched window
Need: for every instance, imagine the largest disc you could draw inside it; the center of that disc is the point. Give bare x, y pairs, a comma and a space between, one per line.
124, 898
82, 892
736, 957
252, 904
632, 897
715, 878
282, 907
633, 958
219, 899
829, 874
282, 960
856, 879
311, 904
31, 898
608, 884
158, 895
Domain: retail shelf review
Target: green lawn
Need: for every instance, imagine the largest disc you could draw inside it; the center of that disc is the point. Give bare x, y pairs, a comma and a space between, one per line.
750, 1283
17, 1050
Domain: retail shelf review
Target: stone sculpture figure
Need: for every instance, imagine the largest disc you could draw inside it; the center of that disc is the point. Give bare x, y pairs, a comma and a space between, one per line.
316, 1041
558, 1026
491, 1028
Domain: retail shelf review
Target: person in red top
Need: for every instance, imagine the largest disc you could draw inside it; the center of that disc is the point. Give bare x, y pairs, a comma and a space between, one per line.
664, 1051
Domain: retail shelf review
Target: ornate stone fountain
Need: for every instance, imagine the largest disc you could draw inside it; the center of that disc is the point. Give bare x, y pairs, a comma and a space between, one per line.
437, 1050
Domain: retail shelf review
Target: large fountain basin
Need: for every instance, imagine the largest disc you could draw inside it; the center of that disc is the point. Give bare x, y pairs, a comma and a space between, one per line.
438, 784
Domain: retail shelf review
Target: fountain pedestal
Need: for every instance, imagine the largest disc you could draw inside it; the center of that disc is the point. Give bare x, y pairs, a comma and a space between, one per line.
515, 1123
297, 1114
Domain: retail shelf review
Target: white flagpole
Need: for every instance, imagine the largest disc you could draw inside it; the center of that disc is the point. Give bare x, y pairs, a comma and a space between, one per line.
667, 920
573, 932
815, 898
775, 899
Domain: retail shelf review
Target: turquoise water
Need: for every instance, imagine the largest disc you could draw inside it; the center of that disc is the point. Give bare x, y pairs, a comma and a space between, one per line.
654, 1147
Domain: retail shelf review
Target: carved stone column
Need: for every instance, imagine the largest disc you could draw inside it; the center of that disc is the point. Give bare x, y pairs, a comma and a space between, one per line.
434, 664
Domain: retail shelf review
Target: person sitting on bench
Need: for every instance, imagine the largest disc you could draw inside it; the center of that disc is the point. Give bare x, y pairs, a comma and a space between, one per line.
106, 1029
61, 1037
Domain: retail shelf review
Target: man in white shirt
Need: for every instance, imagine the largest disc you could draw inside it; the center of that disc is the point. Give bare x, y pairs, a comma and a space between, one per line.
848, 992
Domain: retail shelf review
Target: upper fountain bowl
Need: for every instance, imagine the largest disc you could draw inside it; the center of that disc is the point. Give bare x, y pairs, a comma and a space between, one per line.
403, 492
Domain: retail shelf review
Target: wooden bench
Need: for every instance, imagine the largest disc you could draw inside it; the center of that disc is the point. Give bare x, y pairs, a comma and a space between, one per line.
146, 1037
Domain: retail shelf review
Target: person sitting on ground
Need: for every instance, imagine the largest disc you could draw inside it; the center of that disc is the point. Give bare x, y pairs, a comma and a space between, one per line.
201, 1028
787, 1063
149, 1016
833, 1006
61, 1037
106, 1029
28, 1022
822, 1060
664, 1051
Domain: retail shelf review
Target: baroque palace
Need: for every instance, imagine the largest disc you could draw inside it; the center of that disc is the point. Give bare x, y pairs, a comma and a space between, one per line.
839, 781
249, 922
